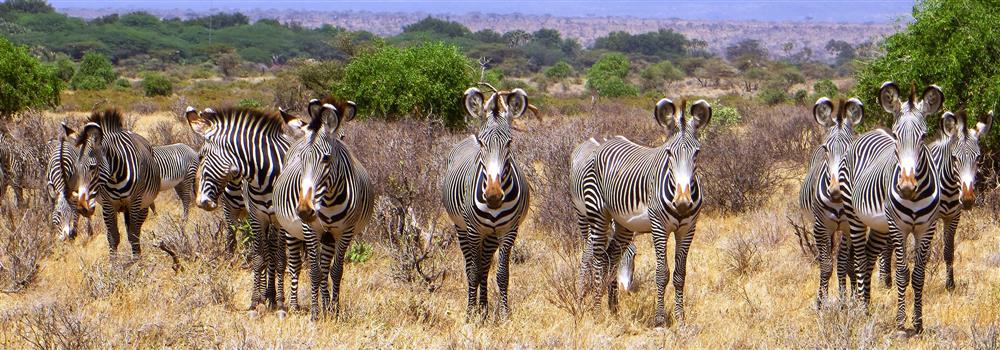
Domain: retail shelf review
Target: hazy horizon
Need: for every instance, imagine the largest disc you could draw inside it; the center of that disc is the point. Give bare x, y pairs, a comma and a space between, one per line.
763, 10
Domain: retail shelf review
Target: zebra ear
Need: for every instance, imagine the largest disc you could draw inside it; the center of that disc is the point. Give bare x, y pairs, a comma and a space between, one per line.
293, 121
931, 100
948, 123
197, 122
314, 108
517, 103
983, 125
69, 133
823, 112
91, 131
854, 110
330, 118
348, 110
474, 102
702, 113
664, 111
888, 97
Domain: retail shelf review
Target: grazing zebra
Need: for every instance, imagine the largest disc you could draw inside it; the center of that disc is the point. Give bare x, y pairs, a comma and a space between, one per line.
956, 156
890, 187
60, 169
322, 198
115, 166
177, 167
642, 189
485, 193
246, 147
12, 158
820, 196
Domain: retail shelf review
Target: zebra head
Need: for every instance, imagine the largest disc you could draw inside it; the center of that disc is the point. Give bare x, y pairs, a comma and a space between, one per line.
90, 168
215, 167
684, 148
839, 134
965, 153
909, 131
494, 138
64, 214
325, 158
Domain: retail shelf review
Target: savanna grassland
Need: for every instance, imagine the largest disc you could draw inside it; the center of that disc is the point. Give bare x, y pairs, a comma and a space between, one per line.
749, 282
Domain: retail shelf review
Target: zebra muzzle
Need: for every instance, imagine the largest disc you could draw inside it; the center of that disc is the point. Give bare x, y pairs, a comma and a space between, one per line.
968, 197
83, 206
682, 199
494, 193
304, 208
834, 190
907, 183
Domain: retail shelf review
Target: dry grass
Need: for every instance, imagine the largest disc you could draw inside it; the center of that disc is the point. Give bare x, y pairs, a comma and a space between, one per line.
78, 299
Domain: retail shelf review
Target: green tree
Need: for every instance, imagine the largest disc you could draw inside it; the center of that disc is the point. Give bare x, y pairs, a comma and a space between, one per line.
747, 53
658, 76
95, 73
560, 70
664, 43
951, 43
434, 25
65, 69
155, 84
27, 6
419, 81
825, 88
607, 76
24, 81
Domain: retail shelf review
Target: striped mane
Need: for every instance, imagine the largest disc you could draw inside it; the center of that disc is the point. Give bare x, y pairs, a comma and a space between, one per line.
228, 115
110, 119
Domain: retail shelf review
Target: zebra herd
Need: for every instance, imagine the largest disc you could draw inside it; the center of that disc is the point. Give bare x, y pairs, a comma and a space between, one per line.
306, 195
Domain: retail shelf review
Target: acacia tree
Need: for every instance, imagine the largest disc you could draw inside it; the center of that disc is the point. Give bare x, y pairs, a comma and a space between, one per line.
951, 43
24, 81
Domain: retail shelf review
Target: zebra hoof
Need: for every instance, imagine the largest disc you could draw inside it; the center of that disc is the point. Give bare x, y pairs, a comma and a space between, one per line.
252, 314
660, 320
950, 285
282, 314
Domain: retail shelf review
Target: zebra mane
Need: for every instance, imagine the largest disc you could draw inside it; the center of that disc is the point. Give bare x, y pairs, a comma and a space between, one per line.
228, 114
109, 119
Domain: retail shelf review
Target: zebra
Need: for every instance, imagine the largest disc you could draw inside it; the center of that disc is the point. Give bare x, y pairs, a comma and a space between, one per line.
177, 167
486, 194
246, 147
322, 198
115, 167
820, 195
956, 156
12, 159
642, 189
60, 168
890, 187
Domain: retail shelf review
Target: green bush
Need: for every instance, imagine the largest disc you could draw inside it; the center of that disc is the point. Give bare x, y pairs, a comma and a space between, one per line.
24, 82
359, 252
656, 75
425, 80
772, 97
95, 73
122, 84
65, 69
725, 116
825, 88
607, 77
560, 70
155, 84
249, 103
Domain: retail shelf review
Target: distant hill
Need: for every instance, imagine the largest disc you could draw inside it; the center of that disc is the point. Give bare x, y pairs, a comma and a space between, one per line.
718, 34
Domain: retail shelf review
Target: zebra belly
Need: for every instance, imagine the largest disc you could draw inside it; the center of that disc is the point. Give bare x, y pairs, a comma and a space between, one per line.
169, 183
877, 221
636, 221
293, 227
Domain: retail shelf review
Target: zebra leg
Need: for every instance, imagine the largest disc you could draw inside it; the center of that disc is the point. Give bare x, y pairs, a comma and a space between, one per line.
600, 234
230, 219
295, 250
858, 246
258, 261
822, 233
923, 242
845, 279
622, 239
468, 241
280, 264
134, 218
503, 271
111, 223
662, 270
950, 228
337, 269
327, 248
184, 195
902, 271
315, 273
682, 240
490, 245
885, 266
586, 259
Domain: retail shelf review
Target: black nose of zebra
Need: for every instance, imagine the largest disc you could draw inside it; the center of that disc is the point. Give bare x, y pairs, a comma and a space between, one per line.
206, 204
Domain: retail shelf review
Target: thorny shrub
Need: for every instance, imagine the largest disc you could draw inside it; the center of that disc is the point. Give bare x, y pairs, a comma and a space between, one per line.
47, 325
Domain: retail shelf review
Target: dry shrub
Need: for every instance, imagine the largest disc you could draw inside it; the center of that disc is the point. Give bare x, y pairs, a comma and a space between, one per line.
47, 325
166, 133
842, 328
144, 107
985, 337
205, 242
103, 279
564, 292
22, 249
207, 285
743, 256
418, 251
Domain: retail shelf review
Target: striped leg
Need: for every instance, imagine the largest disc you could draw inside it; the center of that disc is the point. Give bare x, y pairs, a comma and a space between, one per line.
134, 218
229, 216
923, 242
622, 239
682, 238
822, 235
902, 271
258, 262
111, 224
328, 249
845, 279
337, 269
600, 234
315, 274
503, 271
277, 268
859, 243
184, 193
489, 247
662, 270
469, 247
586, 259
885, 267
296, 248
950, 228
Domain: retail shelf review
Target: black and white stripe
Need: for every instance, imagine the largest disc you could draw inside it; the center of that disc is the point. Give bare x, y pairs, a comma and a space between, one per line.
322, 198
115, 168
485, 193
177, 163
632, 188
891, 188
60, 168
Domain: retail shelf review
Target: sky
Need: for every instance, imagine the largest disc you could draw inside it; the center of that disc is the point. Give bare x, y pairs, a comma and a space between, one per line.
765, 10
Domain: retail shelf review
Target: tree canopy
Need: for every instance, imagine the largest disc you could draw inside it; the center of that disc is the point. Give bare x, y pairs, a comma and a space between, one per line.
24, 82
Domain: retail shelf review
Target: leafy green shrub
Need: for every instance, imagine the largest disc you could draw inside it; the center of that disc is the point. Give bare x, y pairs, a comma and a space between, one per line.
800, 96
825, 88
607, 76
359, 252
725, 116
249, 103
24, 82
656, 75
422, 81
772, 97
95, 73
122, 84
65, 69
155, 84
560, 70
